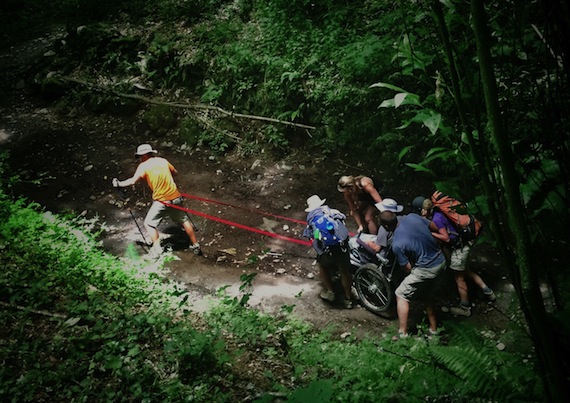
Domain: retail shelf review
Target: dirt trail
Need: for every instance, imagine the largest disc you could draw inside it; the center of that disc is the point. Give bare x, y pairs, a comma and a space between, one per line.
76, 159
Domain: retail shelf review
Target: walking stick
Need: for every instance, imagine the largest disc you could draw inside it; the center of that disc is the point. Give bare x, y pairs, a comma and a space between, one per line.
122, 194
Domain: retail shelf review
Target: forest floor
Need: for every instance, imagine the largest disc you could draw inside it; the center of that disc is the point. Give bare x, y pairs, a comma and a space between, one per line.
66, 161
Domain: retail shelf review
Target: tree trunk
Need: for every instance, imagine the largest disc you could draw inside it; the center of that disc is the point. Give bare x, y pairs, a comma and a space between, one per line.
528, 291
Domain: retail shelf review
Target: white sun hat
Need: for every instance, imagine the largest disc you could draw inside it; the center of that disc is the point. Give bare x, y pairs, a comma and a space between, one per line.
313, 202
144, 149
389, 205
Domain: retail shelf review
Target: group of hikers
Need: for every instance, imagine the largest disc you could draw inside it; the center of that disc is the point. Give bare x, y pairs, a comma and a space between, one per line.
423, 243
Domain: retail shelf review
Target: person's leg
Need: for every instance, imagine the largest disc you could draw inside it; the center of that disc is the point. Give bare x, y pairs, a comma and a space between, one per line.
152, 233
342, 258
481, 284
404, 292
461, 287
325, 276
457, 264
151, 222
346, 280
189, 229
432, 318
370, 219
403, 310
180, 216
325, 263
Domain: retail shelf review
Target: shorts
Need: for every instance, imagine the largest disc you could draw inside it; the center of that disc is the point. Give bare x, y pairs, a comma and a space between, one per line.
458, 258
420, 283
159, 210
336, 257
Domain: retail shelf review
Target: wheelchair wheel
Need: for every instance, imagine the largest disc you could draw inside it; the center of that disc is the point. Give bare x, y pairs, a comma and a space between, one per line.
373, 289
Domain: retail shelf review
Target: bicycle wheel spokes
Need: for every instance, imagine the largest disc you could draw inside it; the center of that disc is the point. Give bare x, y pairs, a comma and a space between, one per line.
373, 288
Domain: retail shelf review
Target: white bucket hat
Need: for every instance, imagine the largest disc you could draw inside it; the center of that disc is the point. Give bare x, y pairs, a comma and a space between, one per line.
313, 202
389, 205
144, 149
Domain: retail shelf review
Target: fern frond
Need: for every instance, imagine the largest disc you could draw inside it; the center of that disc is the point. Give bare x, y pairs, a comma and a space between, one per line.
477, 369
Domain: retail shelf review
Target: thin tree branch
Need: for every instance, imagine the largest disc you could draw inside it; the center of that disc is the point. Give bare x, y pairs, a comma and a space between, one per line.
184, 105
23, 308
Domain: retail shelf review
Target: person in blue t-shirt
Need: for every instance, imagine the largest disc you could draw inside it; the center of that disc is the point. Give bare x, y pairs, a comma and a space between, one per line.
417, 253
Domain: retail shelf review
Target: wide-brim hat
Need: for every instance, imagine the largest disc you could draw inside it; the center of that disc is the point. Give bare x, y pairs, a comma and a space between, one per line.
144, 149
313, 202
389, 205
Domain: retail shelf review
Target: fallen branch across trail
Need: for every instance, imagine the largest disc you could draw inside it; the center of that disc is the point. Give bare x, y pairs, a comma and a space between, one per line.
184, 105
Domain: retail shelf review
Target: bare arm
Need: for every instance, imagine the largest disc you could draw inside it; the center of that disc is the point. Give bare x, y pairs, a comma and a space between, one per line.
353, 212
131, 181
439, 233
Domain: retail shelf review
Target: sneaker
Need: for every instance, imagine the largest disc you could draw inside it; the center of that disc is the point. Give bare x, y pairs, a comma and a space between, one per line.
460, 310
354, 294
348, 304
327, 295
196, 249
490, 295
430, 335
399, 336
154, 252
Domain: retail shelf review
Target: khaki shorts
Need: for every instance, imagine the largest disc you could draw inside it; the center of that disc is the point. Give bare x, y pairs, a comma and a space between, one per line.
458, 258
158, 211
421, 282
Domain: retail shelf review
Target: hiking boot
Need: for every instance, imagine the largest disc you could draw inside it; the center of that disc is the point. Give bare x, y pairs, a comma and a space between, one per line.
196, 249
489, 294
460, 310
327, 295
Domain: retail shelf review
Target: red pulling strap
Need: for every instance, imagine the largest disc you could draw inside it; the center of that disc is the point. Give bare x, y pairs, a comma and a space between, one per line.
242, 208
234, 224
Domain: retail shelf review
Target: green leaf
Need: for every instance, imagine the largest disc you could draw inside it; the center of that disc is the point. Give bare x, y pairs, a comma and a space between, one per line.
435, 150
419, 168
386, 85
72, 321
389, 103
134, 351
430, 119
403, 152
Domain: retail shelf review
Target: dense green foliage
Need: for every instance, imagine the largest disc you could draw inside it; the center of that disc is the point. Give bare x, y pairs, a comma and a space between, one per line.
80, 325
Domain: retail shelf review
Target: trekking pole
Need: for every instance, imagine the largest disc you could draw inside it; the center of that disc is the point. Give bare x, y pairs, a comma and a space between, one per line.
122, 194
190, 218
192, 222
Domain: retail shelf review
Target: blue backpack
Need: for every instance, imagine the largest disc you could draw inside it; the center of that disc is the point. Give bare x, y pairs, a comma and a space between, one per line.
328, 230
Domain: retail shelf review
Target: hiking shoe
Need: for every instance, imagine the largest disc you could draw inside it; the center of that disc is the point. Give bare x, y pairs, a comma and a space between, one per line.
327, 295
354, 294
196, 249
460, 310
348, 303
490, 295
431, 334
399, 336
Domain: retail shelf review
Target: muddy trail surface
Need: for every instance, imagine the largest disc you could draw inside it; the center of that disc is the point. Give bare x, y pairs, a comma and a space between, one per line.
66, 161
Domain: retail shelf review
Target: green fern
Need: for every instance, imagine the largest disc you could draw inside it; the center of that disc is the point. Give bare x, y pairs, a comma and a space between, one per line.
475, 368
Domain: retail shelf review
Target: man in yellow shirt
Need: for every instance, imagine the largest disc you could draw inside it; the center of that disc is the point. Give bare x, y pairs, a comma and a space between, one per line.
158, 173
